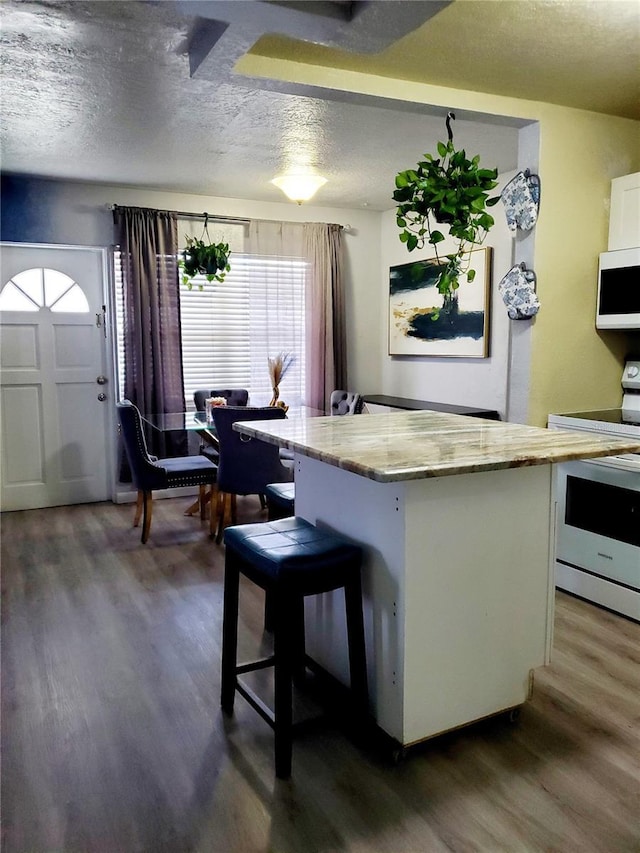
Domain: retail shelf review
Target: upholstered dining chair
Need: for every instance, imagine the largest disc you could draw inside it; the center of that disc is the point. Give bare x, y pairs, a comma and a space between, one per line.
233, 396
150, 473
247, 465
346, 403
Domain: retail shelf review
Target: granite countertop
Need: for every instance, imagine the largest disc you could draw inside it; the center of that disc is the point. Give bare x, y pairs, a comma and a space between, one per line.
417, 445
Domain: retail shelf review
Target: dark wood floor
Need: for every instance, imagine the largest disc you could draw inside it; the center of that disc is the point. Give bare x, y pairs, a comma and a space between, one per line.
113, 739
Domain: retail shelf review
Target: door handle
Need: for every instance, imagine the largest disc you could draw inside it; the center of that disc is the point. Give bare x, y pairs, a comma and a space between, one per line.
101, 380
101, 320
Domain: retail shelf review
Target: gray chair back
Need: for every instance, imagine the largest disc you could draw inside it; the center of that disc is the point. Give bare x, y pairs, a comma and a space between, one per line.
346, 403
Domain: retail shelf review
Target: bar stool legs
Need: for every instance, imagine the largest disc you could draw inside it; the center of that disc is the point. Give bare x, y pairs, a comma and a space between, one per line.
283, 647
229, 634
337, 565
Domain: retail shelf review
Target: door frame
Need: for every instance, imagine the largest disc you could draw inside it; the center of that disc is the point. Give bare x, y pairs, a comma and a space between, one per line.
109, 339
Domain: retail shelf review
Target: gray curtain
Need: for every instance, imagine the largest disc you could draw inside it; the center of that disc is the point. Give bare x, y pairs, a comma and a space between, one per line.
325, 313
148, 241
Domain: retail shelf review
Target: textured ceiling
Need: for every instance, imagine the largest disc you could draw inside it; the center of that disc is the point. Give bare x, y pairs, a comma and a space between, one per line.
578, 53
102, 91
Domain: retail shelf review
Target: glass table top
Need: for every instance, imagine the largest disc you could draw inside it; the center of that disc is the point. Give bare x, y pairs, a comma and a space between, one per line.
198, 420
179, 421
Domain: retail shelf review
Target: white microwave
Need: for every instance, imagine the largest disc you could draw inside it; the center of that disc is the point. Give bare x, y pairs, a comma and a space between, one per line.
619, 290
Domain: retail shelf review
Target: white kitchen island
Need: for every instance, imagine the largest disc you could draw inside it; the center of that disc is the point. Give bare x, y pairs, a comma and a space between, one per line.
455, 515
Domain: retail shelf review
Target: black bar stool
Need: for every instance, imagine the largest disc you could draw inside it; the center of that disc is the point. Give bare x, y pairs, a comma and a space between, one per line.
290, 559
280, 500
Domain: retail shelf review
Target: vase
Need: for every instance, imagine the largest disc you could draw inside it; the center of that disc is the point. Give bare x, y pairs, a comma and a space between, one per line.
276, 394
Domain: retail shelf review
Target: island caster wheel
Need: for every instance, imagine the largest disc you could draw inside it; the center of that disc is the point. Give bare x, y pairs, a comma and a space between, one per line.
513, 715
398, 754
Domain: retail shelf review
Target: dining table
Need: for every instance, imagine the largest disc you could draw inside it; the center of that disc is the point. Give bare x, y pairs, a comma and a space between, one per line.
200, 423
205, 427
189, 421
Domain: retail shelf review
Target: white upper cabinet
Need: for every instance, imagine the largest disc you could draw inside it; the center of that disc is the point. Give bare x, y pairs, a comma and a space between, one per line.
624, 218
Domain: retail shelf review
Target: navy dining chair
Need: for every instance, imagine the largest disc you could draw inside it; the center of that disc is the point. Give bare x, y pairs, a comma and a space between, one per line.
233, 396
246, 465
150, 473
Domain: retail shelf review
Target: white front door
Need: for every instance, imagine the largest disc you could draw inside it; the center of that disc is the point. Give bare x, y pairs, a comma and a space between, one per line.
54, 381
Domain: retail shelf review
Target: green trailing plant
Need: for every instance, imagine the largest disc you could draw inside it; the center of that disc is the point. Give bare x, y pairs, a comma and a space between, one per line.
452, 190
208, 259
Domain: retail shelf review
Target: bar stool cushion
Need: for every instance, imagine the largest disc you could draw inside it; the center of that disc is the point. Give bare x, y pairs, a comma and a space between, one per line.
292, 551
281, 494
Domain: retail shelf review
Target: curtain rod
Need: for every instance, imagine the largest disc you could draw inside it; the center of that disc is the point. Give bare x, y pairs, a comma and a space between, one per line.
183, 214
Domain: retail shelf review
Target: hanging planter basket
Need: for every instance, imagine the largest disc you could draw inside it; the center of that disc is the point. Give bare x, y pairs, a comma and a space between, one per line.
452, 190
204, 258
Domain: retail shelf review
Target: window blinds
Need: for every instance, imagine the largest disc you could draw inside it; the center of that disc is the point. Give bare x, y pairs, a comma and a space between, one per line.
231, 328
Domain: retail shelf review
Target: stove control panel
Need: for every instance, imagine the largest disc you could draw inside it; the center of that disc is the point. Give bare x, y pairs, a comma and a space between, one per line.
631, 376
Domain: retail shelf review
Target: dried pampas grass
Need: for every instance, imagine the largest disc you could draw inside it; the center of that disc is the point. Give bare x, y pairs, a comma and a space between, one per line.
278, 366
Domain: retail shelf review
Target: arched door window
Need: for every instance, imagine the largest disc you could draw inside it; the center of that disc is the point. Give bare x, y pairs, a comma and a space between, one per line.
34, 289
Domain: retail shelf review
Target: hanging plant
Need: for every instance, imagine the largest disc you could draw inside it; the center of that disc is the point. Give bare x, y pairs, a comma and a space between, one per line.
451, 190
208, 259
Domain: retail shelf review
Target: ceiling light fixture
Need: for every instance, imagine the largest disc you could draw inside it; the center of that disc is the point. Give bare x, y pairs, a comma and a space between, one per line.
299, 188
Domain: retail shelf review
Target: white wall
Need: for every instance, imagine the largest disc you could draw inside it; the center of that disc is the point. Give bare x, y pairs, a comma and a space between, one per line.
519, 366
480, 382
42, 211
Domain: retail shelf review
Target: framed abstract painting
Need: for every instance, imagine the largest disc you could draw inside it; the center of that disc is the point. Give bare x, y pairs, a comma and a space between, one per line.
420, 323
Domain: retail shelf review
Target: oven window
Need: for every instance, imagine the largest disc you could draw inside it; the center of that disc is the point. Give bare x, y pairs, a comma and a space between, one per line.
603, 509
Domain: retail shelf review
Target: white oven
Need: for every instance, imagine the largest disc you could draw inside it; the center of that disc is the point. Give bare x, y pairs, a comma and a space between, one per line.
598, 534
598, 510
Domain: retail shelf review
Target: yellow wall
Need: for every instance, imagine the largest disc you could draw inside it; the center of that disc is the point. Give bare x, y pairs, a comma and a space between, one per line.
573, 367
